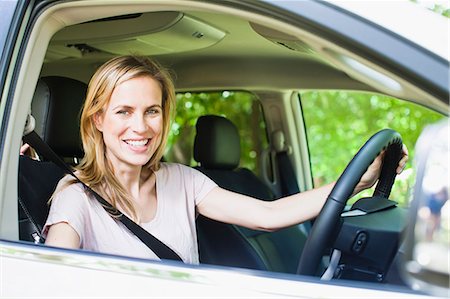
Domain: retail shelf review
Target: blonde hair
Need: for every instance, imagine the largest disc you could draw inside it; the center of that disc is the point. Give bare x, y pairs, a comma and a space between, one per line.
94, 169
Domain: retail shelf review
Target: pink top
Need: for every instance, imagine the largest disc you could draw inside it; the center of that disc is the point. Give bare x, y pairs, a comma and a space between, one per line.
179, 189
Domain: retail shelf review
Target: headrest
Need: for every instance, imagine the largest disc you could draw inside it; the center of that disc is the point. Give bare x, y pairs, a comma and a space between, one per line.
217, 143
56, 107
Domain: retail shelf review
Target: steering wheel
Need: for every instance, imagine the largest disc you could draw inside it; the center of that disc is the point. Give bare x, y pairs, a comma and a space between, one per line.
327, 224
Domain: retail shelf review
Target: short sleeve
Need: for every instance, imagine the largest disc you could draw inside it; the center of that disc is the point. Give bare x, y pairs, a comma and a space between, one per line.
202, 185
69, 205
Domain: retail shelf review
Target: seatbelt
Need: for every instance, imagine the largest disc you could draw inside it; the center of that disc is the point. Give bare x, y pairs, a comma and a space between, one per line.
289, 185
288, 181
158, 247
286, 174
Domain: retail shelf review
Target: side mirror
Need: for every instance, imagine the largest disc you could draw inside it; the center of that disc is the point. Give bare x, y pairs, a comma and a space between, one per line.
427, 242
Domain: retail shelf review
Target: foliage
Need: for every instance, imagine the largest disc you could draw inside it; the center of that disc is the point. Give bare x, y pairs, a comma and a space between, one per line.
240, 107
339, 122
440, 9
436, 7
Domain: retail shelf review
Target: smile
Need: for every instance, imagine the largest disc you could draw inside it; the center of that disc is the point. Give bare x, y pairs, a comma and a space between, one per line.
137, 143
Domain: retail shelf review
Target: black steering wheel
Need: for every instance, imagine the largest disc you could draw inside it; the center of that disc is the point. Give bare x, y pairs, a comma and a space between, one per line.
327, 224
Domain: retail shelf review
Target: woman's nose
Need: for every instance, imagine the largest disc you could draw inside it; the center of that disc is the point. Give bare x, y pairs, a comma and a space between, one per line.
139, 124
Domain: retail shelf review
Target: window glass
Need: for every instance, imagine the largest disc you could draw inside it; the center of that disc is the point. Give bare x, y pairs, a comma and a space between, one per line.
338, 123
7, 9
242, 108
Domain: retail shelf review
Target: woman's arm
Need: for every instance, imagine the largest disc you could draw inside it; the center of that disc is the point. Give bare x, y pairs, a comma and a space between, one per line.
62, 235
66, 219
234, 208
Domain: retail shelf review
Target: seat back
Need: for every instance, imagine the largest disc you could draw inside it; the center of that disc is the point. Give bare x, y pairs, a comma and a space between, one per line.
56, 105
56, 108
217, 149
37, 180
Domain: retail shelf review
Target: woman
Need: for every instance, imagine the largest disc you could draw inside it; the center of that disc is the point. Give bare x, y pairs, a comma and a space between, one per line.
124, 128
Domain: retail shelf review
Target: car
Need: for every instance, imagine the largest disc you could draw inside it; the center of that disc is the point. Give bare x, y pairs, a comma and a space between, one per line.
294, 89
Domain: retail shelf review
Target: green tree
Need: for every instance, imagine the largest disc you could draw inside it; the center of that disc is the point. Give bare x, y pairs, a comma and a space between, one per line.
442, 8
339, 122
242, 108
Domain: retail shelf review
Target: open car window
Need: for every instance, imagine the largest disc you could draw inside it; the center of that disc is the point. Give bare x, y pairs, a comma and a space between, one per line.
338, 122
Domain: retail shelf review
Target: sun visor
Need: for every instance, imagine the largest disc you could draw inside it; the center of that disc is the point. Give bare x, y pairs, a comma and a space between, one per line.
145, 34
185, 35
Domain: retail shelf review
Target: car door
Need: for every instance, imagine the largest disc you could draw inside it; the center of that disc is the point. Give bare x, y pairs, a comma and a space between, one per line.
34, 270
14, 21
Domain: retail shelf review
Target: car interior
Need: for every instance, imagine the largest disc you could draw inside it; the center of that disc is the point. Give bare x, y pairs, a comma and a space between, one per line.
220, 244
207, 49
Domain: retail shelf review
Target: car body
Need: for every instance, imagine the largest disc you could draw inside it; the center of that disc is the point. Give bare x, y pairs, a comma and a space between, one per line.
276, 51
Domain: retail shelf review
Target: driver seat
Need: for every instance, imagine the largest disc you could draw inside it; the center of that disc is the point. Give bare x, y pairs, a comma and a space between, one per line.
217, 150
55, 106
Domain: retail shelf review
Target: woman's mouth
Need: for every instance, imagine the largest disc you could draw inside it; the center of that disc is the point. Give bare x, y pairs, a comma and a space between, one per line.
137, 143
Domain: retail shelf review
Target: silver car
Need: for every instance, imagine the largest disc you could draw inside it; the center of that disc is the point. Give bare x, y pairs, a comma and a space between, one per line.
306, 83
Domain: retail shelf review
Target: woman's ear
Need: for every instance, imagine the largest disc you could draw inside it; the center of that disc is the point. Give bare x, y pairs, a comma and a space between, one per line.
98, 121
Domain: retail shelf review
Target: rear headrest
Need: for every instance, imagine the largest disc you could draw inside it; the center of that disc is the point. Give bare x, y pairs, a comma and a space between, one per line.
217, 143
56, 107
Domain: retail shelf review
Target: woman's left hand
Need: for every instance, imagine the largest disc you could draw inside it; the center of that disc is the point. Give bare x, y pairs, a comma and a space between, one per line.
372, 173
24, 148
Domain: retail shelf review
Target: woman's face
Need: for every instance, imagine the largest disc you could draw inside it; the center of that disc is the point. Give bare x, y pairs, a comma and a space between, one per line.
132, 122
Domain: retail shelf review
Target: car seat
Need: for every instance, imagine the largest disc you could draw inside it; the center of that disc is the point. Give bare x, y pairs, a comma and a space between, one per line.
217, 150
56, 108
56, 105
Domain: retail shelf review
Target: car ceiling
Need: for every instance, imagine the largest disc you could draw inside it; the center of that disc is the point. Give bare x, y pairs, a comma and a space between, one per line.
232, 54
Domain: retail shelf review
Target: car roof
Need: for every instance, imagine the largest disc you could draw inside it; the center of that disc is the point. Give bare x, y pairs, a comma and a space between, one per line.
248, 50
415, 23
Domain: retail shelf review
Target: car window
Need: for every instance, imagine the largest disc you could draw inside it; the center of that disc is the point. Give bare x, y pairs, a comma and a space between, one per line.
7, 9
339, 122
242, 108
7, 27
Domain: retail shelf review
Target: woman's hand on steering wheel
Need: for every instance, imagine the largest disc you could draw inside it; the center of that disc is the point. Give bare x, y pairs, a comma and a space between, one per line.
372, 174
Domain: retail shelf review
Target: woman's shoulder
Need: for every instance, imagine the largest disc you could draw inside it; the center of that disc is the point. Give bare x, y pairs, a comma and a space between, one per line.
69, 182
68, 187
166, 167
183, 173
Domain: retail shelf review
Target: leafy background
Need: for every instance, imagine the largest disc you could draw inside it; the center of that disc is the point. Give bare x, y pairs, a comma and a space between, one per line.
338, 123
242, 108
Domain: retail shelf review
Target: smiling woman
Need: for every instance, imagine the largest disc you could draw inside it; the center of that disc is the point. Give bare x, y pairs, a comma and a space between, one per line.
132, 123
124, 127
245, 62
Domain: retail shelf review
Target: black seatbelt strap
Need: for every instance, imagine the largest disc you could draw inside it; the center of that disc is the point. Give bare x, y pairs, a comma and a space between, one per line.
289, 185
158, 247
288, 180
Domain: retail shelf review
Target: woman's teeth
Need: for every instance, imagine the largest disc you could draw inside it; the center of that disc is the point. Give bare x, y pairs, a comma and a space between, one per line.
137, 142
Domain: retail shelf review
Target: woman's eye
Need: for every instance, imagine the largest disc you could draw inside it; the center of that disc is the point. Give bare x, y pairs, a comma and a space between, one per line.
122, 112
153, 111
